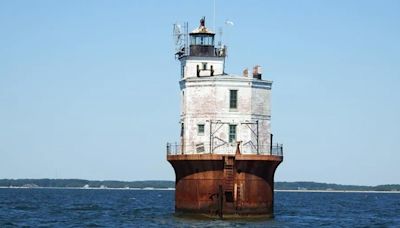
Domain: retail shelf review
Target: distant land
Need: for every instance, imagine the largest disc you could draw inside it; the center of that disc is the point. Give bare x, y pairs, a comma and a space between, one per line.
162, 184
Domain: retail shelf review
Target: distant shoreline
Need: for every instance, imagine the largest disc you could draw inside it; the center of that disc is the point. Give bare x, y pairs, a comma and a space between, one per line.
336, 191
173, 189
303, 186
89, 188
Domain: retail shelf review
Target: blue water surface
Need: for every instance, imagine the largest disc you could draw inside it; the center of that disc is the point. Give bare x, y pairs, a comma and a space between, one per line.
155, 208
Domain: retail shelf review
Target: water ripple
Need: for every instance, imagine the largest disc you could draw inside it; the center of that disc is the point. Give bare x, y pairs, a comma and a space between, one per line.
137, 208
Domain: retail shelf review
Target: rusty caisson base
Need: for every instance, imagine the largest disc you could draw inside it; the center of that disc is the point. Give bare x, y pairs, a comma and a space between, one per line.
225, 185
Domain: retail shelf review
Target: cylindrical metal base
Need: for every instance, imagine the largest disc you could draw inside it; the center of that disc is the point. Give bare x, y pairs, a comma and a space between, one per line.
222, 185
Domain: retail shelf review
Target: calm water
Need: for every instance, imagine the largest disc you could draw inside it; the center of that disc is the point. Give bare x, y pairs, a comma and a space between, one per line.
137, 208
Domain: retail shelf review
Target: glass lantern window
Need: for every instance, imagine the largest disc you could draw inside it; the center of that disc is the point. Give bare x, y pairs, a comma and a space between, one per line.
202, 40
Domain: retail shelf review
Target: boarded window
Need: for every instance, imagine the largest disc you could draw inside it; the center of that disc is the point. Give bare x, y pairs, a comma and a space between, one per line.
233, 99
200, 148
232, 133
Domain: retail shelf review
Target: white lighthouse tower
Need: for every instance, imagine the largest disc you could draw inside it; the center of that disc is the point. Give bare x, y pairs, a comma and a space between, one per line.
219, 110
225, 162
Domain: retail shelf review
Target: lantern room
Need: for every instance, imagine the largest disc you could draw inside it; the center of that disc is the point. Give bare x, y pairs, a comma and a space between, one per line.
202, 41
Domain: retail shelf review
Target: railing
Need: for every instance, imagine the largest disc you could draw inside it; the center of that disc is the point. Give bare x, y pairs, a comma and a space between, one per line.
203, 148
277, 149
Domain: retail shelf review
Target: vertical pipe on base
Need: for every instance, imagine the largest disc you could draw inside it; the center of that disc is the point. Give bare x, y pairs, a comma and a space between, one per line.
258, 147
220, 201
270, 149
235, 192
210, 136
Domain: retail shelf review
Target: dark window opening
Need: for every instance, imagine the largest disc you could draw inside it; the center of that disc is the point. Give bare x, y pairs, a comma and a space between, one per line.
204, 66
232, 133
200, 129
233, 99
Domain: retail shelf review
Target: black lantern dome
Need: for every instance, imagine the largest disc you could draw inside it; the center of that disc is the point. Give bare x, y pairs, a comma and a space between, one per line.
202, 41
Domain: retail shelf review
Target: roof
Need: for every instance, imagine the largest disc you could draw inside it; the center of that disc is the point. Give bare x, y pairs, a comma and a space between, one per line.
202, 28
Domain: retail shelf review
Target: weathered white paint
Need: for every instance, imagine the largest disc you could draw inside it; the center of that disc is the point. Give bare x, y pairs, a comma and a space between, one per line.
189, 66
206, 100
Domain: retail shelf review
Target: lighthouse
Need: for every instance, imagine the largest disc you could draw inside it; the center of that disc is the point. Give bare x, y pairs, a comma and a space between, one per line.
225, 160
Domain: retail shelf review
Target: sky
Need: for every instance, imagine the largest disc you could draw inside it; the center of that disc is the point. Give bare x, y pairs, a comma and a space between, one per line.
89, 89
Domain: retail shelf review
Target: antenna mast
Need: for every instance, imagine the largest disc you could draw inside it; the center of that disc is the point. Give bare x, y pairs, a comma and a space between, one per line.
181, 39
186, 28
214, 18
220, 36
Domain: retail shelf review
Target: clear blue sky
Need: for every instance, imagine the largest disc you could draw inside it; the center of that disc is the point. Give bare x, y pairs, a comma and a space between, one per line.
89, 89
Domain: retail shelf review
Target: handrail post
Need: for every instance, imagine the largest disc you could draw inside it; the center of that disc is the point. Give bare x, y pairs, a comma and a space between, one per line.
258, 146
168, 149
210, 136
270, 147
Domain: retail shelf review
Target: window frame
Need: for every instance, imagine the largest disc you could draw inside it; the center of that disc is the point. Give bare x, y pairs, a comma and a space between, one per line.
202, 40
204, 65
199, 126
232, 136
233, 103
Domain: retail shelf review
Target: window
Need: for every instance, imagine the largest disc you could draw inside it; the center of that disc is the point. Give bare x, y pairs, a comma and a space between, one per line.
232, 133
198, 40
202, 40
233, 99
204, 66
211, 41
200, 129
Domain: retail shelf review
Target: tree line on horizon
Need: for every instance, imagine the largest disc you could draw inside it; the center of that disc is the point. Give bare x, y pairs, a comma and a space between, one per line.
80, 183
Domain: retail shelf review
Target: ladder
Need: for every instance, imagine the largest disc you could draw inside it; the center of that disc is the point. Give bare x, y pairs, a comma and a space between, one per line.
228, 174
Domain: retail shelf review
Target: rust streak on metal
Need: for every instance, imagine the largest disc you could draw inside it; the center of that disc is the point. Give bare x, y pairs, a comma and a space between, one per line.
246, 181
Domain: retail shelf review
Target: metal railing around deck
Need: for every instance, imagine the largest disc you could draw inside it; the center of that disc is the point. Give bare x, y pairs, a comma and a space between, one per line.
203, 148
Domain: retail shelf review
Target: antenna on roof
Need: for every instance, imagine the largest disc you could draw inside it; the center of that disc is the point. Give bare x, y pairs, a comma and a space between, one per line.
181, 39
228, 24
220, 36
177, 35
214, 18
